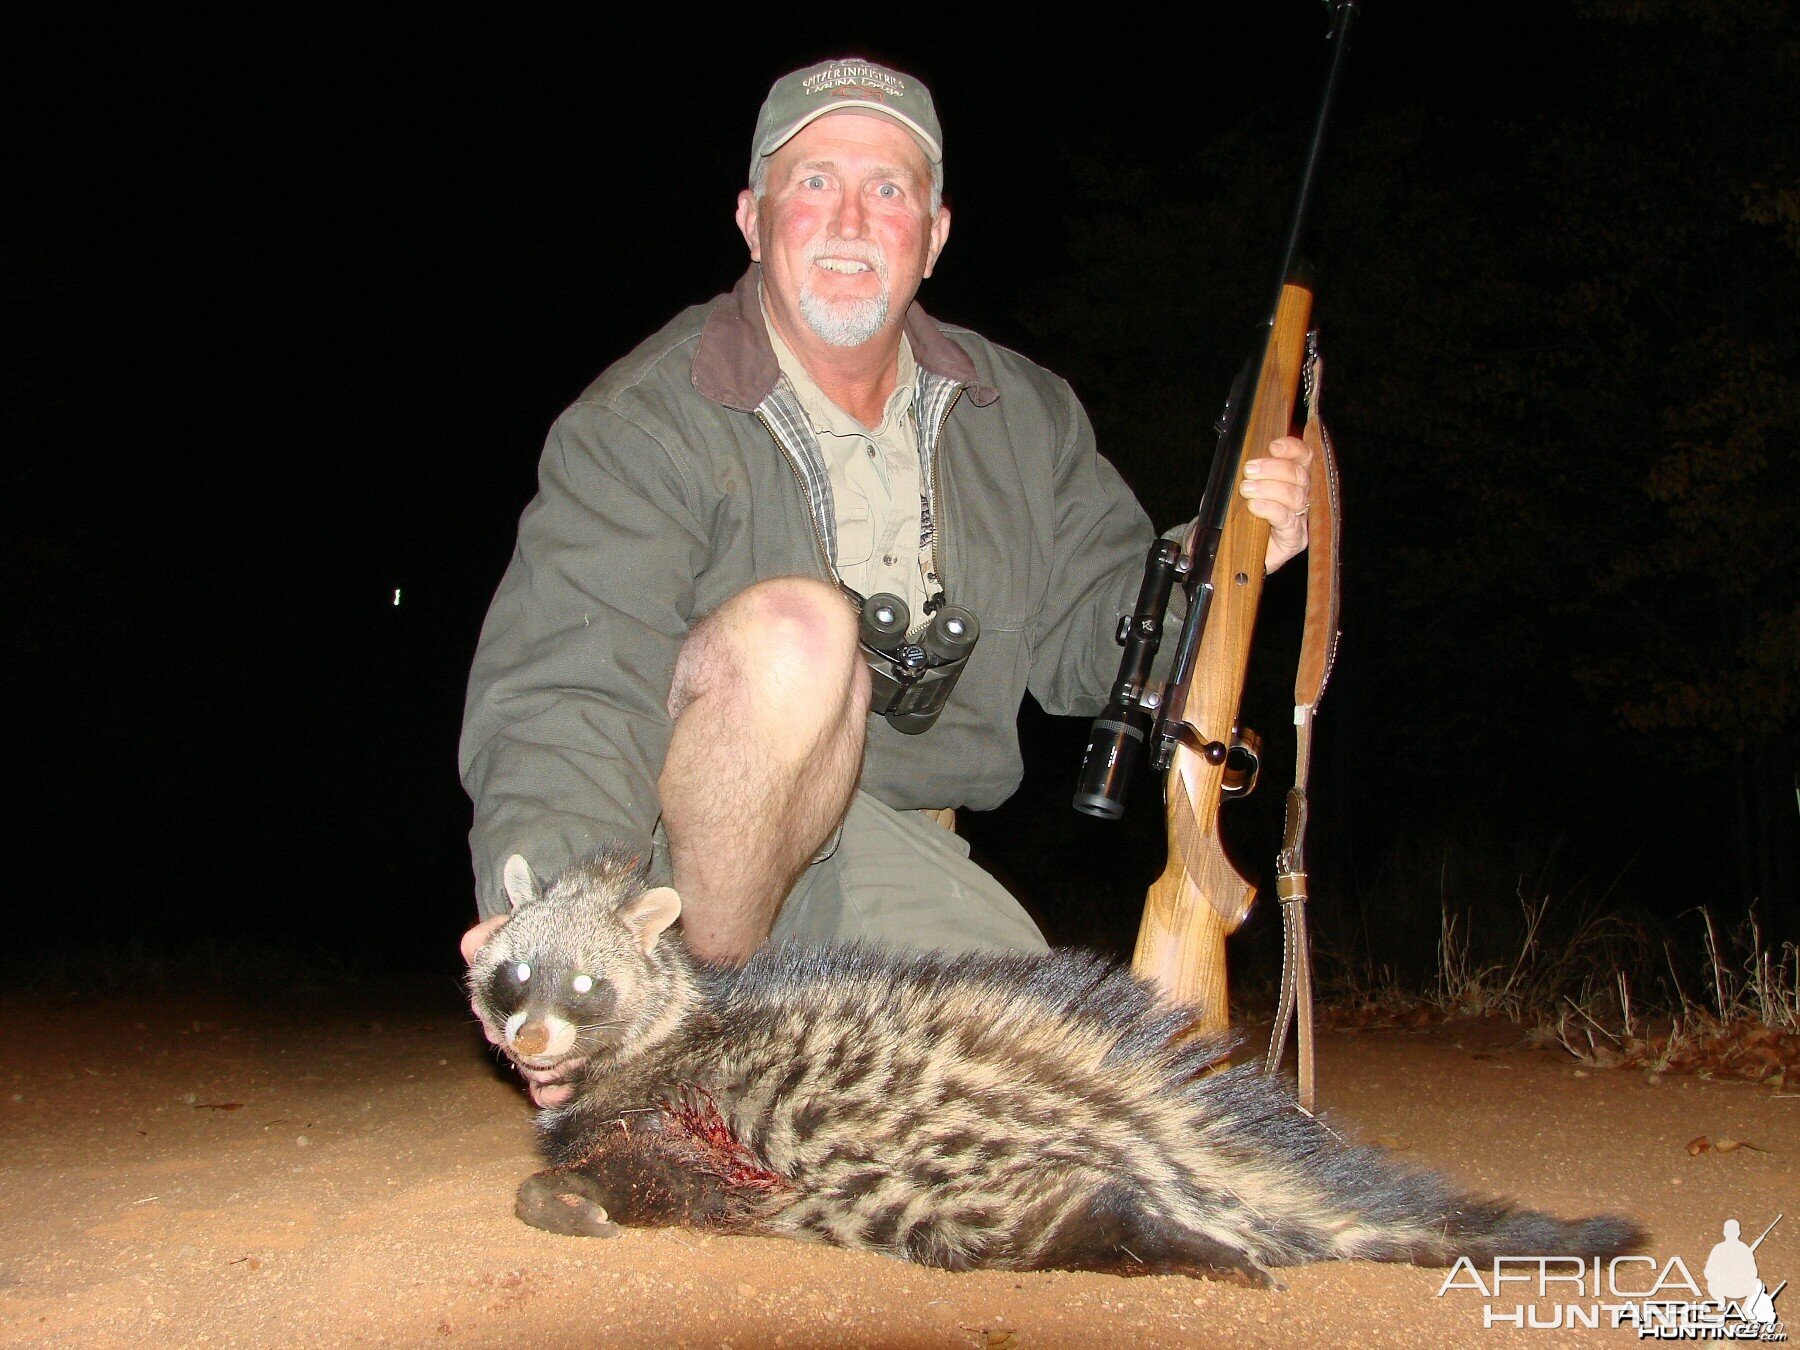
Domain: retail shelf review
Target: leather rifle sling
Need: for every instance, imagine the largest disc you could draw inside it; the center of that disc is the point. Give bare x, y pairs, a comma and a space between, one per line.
1318, 649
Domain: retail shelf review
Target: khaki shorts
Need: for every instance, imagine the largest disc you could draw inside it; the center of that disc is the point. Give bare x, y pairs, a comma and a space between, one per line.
901, 878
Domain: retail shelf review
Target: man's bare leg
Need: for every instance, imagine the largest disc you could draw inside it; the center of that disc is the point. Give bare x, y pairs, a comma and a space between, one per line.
770, 699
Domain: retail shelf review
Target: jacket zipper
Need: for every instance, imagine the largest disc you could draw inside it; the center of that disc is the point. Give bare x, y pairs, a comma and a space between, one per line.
828, 571
940, 523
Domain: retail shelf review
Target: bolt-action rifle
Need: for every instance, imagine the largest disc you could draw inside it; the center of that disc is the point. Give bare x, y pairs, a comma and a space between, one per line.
1188, 726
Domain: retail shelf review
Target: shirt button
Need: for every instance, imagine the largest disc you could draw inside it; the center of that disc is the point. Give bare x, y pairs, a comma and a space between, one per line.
889, 560
871, 452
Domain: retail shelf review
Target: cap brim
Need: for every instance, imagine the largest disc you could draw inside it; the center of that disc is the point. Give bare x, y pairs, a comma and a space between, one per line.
933, 151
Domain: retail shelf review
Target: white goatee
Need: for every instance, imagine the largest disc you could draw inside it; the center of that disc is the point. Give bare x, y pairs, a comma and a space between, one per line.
845, 323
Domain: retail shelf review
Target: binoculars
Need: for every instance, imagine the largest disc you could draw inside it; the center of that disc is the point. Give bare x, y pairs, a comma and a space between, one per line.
910, 681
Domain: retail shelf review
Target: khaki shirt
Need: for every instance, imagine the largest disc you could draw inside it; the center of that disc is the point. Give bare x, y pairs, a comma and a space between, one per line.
875, 488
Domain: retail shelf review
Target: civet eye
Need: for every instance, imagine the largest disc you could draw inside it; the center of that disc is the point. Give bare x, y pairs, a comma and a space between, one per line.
522, 971
582, 983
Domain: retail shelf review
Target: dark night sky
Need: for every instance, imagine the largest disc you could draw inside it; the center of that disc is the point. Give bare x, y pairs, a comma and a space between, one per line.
293, 306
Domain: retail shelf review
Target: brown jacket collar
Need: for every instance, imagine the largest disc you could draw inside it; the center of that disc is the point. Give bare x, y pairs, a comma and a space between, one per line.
735, 365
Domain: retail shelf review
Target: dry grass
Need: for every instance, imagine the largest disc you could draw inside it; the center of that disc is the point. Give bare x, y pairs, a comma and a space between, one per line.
1588, 982
1745, 1023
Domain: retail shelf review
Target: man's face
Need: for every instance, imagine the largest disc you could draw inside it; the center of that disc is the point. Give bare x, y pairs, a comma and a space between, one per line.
844, 231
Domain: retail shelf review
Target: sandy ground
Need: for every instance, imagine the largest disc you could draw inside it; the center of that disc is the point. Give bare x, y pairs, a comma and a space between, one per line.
196, 1171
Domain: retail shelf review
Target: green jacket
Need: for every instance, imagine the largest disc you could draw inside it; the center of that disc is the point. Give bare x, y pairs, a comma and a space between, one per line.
675, 481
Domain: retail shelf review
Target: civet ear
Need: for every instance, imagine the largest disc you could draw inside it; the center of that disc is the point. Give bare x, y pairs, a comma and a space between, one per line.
649, 914
521, 886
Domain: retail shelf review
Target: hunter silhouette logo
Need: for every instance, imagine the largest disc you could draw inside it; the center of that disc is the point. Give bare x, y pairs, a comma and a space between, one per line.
1659, 1300
859, 91
1731, 1276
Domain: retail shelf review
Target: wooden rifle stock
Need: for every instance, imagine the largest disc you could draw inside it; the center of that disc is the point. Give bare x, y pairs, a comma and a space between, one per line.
1190, 728
1201, 897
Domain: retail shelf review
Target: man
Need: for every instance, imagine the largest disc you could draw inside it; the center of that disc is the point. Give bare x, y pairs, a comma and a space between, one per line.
671, 659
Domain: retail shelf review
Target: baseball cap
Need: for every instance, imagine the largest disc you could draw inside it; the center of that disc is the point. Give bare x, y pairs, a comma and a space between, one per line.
834, 86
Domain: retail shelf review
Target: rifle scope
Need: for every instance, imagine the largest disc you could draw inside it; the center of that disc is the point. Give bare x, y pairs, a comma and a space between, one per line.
1119, 733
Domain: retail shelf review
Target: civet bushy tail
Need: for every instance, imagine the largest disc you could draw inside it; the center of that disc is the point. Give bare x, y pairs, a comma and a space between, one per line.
1004, 1111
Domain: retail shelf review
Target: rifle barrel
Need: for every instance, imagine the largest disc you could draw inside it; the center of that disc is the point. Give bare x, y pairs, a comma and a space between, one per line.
1290, 253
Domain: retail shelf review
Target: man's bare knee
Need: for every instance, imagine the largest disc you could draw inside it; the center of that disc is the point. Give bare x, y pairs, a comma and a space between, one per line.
804, 631
786, 645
